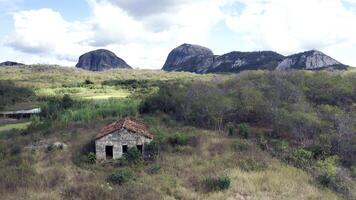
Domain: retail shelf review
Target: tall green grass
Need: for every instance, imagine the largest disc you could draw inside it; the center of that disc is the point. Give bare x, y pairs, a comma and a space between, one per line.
92, 110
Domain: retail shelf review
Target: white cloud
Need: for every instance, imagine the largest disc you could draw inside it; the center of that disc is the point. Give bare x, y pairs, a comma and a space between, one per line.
44, 32
290, 26
142, 42
144, 35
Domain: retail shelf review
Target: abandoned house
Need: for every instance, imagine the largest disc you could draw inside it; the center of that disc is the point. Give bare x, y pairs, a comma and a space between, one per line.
116, 138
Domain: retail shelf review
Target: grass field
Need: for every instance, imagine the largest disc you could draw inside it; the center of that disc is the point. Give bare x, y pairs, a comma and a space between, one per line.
84, 92
16, 126
54, 76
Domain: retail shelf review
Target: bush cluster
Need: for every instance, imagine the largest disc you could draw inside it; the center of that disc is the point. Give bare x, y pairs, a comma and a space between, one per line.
179, 139
120, 176
133, 155
216, 183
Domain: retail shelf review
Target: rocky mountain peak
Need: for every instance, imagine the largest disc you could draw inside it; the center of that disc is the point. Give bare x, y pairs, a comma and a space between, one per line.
188, 56
10, 63
310, 60
100, 60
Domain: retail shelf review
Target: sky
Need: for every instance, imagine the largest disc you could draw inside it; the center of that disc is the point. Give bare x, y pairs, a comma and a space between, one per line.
143, 32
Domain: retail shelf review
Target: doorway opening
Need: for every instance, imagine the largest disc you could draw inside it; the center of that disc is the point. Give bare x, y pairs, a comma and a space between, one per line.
109, 152
140, 148
124, 148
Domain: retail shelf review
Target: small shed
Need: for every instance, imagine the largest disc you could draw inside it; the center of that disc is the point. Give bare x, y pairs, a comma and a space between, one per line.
20, 114
114, 139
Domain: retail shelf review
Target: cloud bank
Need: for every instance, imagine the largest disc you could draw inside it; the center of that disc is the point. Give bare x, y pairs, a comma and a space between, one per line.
144, 31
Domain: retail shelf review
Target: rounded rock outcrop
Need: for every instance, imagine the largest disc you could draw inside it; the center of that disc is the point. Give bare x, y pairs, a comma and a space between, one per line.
310, 60
101, 60
189, 57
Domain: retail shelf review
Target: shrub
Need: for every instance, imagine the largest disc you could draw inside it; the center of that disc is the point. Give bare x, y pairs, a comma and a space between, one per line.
50, 148
120, 176
88, 82
300, 158
326, 169
54, 147
244, 130
252, 165
91, 157
35, 121
133, 155
216, 183
180, 139
67, 102
152, 149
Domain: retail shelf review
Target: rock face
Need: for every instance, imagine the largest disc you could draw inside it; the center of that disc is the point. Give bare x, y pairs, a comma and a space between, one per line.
198, 59
195, 58
310, 60
189, 57
100, 60
240, 61
10, 63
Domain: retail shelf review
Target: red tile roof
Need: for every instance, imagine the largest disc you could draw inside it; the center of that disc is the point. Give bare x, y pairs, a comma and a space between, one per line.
127, 123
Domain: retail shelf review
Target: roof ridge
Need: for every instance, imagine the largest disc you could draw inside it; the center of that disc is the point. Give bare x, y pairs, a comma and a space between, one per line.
127, 123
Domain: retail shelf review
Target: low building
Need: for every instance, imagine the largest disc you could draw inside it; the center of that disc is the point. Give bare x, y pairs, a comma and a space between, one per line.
20, 114
116, 138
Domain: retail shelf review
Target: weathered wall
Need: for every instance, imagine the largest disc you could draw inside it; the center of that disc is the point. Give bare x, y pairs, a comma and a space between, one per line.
117, 139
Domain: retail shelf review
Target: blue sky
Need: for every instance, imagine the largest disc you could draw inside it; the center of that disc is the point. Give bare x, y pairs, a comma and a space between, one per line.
142, 32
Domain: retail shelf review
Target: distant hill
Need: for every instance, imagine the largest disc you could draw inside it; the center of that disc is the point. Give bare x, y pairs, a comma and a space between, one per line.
10, 63
310, 60
198, 59
190, 58
101, 60
239, 61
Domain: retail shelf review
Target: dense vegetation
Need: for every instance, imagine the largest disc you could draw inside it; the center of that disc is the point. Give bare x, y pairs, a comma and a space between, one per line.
310, 117
257, 135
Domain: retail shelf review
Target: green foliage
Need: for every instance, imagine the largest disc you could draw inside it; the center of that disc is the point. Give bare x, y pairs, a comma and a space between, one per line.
53, 147
244, 130
91, 157
120, 176
326, 169
88, 82
85, 154
252, 165
152, 149
219, 183
110, 108
301, 158
133, 155
11, 94
35, 121
179, 139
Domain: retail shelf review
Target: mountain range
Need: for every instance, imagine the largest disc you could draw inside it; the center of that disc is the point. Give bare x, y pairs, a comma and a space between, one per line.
199, 59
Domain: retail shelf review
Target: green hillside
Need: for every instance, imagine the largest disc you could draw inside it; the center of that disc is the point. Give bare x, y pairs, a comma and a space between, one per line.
254, 135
